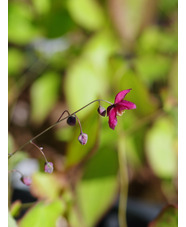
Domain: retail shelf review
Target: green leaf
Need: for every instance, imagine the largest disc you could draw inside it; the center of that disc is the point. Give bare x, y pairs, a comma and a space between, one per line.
43, 214
87, 77
15, 208
100, 47
92, 192
168, 217
44, 94
161, 150
11, 221
52, 23
86, 13
45, 186
42, 6
99, 185
153, 68
21, 29
154, 40
82, 85
139, 94
167, 6
16, 61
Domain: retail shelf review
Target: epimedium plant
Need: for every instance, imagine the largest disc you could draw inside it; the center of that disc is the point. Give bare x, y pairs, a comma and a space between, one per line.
113, 110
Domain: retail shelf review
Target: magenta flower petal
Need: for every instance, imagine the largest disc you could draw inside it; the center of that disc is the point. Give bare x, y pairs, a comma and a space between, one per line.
121, 95
125, 105
112, 118
118, 108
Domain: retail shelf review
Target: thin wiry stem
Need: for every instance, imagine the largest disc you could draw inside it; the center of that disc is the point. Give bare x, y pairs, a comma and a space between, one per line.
79, 123
40, 149
15, 170
53, 125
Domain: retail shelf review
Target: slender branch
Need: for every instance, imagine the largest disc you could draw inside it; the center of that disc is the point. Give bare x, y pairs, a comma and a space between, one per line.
56, 123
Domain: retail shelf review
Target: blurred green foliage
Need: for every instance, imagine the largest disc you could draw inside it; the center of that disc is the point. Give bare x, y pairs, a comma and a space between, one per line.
169, 216
65, 54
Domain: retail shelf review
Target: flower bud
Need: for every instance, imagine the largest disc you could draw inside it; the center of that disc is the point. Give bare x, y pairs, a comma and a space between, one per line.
102, 111
49, 167
71, 121
83, 138
26, 180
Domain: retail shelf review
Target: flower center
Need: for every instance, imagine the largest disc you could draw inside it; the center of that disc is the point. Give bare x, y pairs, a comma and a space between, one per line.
120, 113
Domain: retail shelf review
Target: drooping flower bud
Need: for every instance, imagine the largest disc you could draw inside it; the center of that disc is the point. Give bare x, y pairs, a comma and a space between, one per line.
102, 111
26, 180
83, 138
71, 121
49, 167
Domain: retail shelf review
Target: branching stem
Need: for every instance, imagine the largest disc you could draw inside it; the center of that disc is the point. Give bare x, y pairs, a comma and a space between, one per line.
53, 125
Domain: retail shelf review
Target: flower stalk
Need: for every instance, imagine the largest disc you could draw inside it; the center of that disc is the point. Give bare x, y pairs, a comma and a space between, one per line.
112, 111
56, 123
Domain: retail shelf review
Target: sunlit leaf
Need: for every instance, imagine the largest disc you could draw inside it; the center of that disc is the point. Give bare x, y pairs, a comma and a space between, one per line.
45, 186
99, 49
153, 68
161, 150
43, 214
21, 29
99, 185
44, 94
11, 221
154, 39
86, 13
16, 61
15, 208
82, 74
42, 6
90, 72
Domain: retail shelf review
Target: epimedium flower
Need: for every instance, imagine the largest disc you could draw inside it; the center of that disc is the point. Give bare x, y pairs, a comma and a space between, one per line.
83, 137
49, 167
71, 120
26, 180
118, 108
102, 111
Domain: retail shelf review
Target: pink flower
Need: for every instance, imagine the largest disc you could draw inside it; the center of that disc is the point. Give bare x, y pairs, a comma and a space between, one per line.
83, 137
26, 180
102, 111
118, 108
49, 167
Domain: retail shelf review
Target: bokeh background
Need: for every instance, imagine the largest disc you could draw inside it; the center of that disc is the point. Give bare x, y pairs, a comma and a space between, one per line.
65, 54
